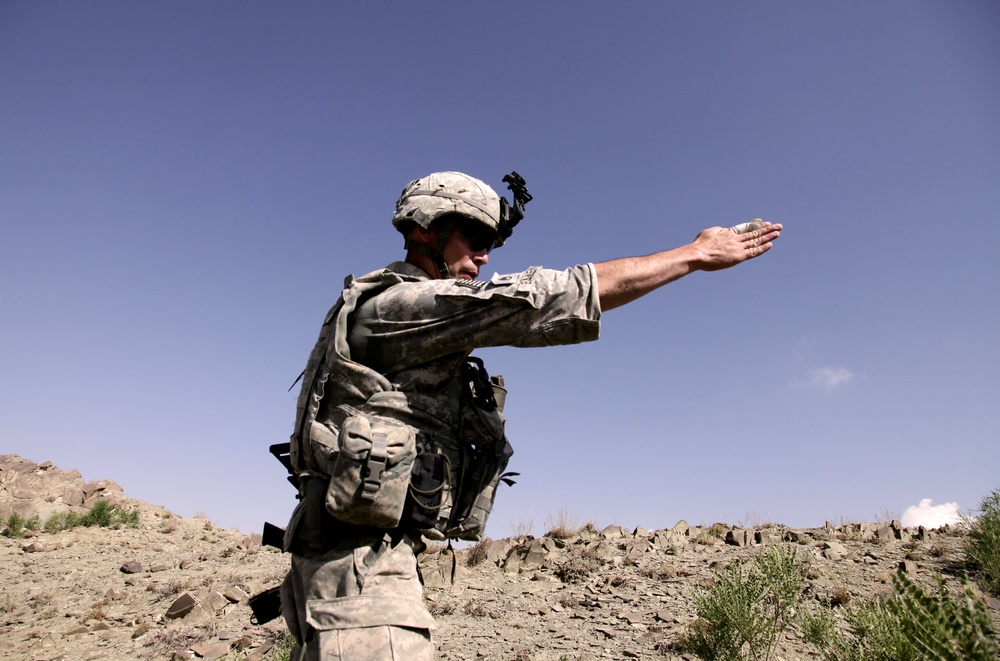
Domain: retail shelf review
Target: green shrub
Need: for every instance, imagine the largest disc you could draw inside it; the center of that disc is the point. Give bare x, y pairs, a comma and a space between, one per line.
818, 627
102, 515
63, 521
99, 515
915, 624
940, 627
982, 546
744, 615
16, 525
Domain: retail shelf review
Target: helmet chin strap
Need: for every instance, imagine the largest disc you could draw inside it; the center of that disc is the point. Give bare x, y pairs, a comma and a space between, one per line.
436, 252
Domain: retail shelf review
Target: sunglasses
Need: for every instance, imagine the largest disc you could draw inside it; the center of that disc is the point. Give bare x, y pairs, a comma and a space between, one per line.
478, 237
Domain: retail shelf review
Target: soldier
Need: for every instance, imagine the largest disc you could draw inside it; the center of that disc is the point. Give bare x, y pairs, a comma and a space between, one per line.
399, 430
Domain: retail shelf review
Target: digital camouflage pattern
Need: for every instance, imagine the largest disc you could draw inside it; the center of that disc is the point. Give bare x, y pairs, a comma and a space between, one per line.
359, 601
404, 356
426, 199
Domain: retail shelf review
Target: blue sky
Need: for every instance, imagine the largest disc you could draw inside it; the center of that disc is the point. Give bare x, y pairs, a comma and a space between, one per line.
184, 186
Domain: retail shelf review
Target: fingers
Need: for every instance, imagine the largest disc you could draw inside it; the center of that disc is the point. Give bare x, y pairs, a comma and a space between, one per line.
756, 237
758, 241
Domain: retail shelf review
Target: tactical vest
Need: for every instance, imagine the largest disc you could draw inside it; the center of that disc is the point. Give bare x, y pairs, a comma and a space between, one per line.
387, 462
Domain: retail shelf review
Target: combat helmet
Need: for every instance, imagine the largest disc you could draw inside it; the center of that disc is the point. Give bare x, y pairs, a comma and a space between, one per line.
444, 193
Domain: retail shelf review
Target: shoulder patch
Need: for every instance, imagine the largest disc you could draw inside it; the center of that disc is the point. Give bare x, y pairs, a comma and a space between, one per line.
498, 279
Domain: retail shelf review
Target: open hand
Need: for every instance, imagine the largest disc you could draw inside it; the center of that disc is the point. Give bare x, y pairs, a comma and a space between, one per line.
723, 247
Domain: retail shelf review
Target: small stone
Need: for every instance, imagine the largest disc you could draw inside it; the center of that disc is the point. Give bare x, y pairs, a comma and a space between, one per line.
159, 567
131, 567
737, 537
908, 566
258, 653
183, 605
234, 594
211, 652
34, 547
834, 551
215, 601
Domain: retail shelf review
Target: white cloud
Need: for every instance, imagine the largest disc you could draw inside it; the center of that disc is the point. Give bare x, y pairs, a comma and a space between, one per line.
930, 516
830, 377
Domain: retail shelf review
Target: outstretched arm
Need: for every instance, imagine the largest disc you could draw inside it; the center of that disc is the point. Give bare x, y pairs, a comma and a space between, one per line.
621, 281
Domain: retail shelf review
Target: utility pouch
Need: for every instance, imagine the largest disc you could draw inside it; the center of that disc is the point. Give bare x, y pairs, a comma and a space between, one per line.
371, 473
475, 501
427, 490
481, 411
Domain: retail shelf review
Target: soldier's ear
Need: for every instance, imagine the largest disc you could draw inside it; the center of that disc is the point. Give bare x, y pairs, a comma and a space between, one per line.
421, 235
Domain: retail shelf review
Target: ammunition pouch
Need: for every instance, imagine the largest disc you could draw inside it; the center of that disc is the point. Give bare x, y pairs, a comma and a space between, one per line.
371, 474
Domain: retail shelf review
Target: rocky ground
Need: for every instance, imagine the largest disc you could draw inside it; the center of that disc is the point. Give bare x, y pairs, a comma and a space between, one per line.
175, 588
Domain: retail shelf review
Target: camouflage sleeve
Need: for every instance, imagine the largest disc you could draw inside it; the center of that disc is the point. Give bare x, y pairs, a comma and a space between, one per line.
414, 322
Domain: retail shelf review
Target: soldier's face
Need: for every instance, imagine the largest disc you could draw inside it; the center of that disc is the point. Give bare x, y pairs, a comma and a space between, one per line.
464, 256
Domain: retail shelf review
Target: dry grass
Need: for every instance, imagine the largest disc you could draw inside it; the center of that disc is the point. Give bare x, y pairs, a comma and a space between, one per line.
756, 520
562, 525
479, 608
521, 528
577, 569
886, 516
477, 554
841, 595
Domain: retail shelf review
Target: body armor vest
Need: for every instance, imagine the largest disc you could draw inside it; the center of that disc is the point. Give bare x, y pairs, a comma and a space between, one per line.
388, 461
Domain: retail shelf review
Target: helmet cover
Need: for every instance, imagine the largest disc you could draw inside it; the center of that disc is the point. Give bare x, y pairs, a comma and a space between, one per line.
440, 193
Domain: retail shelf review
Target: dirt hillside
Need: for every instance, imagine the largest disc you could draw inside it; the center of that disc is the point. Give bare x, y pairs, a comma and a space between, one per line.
176, 588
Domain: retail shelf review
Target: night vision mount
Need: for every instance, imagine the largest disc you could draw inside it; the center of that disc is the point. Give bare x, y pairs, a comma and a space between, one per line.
511, 216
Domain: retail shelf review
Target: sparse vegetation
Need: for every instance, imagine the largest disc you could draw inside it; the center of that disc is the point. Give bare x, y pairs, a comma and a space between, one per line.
477, 554
745, 613
886, 516
521, 528
103, 515
17, 526
577, 569
7, 603
564, 525
478, 608
756, 519
283, 649
169, 524
439, 608
841, 595
982, 546
915, 623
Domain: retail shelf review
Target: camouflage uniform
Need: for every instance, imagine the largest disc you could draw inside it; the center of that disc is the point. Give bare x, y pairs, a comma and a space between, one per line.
354, 592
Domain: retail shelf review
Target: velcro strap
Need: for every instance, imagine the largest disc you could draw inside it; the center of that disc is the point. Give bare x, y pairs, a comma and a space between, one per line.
377, 459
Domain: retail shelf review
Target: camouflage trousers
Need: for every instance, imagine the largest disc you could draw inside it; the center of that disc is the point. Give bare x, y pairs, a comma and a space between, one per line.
360, 601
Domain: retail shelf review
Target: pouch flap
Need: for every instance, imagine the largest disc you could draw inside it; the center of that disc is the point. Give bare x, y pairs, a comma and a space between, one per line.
368, 611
